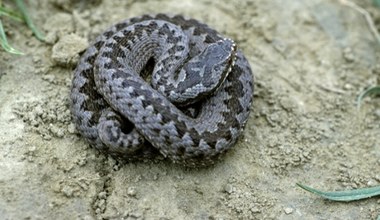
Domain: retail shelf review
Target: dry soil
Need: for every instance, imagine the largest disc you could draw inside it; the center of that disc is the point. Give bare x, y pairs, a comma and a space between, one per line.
310, 59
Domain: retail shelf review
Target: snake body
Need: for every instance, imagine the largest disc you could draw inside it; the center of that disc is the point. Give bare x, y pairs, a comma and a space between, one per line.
191, 108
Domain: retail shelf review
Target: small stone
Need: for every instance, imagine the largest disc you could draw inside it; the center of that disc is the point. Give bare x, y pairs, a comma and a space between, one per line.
280, 46
58, 132
67, 191
348, 55
71, 128
38, 110
135, 215
131, 191
255, 210
36, 59
288, 210
348, 86
377, 113
31, 149
228, 188
49, 78
46, 137
102, 195
97, 211
102, 204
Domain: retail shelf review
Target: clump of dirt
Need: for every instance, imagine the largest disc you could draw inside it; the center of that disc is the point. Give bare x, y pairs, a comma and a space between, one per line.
48, 116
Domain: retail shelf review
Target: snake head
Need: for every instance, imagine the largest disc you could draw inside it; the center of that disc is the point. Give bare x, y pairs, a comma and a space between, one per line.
221, 56
206, 72
215, 62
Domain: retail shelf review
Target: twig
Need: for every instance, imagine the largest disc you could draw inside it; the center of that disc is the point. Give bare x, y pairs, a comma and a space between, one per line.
335, 90
366, 15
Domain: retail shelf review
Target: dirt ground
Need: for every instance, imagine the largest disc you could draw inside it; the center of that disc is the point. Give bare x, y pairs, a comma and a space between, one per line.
310, 60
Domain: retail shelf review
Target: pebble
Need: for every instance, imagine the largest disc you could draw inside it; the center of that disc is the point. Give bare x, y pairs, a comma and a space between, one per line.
348, 55
377, 113
66, 51
131, 191
102, 195
255, 210
67, 191
228, 188
288, 210
71, 128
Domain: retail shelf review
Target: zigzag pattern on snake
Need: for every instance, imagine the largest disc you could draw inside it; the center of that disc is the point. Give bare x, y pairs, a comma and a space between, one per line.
162, 83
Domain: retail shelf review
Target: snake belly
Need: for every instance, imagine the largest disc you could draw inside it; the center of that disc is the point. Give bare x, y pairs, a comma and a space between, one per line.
192, 109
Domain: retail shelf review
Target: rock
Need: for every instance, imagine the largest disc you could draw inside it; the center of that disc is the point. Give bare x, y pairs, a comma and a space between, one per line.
288, 210
66, 50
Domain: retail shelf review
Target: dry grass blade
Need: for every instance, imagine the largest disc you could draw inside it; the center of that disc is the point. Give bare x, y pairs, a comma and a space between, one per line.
366, 15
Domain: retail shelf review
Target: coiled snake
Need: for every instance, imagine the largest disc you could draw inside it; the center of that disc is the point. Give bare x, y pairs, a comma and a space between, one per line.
192, 108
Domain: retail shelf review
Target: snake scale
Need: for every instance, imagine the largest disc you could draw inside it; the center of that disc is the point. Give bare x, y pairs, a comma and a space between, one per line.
166, 84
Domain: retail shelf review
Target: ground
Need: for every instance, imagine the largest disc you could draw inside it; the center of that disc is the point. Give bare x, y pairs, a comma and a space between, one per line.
310, 59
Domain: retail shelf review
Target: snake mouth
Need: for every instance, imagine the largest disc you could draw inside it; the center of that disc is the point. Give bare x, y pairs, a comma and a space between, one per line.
232, 50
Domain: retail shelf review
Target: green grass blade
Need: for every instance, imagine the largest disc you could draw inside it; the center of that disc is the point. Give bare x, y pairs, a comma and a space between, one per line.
377, 3
24, 12
4, 42
12, 14
367, 92
345, 196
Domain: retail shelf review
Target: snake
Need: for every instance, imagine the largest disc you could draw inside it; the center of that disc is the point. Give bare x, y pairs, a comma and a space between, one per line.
162, 84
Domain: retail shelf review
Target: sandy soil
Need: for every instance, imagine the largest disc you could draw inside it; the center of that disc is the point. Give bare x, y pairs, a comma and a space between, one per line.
310, 58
